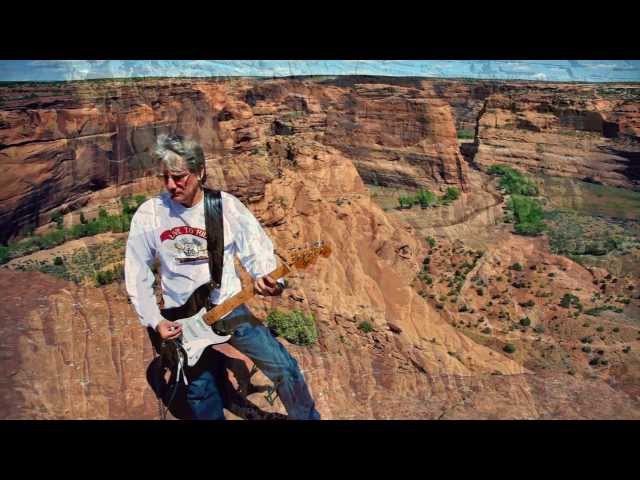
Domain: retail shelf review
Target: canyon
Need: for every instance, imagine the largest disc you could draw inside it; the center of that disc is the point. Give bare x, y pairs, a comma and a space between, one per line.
313, 160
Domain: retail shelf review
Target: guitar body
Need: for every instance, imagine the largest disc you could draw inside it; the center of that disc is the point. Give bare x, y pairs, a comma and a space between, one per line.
196, 334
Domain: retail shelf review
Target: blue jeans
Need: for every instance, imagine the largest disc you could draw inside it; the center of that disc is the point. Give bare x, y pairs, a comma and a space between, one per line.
254, 340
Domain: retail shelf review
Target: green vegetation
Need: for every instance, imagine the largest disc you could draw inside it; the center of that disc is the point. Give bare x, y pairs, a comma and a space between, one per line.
590, 199
58, 219
466, 134
431, 241
525, 212
426, 198
452, 194
569, 300
295, 326
108, 276
104, 223
366, 326
514, 182
596, 311
405, 201
509, 348
516, 266
527, 215
84, 263
525, 322
575, 234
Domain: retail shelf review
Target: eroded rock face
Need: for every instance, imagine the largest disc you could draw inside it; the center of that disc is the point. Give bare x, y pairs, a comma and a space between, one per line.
588, 133
78, 138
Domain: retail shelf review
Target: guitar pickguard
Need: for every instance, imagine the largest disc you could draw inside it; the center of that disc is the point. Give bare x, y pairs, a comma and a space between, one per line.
197, 335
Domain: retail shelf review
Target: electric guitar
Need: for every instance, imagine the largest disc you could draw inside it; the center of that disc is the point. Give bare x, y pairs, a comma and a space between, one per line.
204, 328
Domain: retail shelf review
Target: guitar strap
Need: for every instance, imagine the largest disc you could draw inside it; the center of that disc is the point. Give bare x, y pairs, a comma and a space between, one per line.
215, 234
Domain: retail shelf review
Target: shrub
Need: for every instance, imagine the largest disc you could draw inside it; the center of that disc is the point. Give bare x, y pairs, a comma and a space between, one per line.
4, 254
525, 322
366, 326
586, 349
528, 304
425, 198
569, 299
509, 348
516, 266
486, 330
452, 194
616, 329
295, 326
431, 241
58, 261
58, 218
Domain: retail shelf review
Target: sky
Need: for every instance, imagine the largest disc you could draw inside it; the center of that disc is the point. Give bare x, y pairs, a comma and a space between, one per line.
540, 70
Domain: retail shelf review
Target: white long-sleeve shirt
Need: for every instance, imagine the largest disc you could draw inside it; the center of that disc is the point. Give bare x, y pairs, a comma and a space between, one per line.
176, 235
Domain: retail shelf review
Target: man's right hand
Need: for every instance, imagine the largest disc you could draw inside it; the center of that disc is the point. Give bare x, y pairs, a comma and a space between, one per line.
169, 330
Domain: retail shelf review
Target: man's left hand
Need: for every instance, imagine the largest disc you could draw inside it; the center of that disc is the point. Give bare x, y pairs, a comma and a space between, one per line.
267, 286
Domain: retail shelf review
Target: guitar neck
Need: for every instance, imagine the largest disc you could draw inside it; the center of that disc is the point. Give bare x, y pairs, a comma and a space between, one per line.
239, 298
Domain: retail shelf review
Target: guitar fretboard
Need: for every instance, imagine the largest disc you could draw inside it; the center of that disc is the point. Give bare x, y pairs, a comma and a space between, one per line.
239, 298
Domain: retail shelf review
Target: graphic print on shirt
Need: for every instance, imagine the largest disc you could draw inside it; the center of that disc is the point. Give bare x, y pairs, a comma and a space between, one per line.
186, 244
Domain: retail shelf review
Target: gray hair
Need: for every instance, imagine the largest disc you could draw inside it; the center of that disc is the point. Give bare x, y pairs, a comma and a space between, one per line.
170, 149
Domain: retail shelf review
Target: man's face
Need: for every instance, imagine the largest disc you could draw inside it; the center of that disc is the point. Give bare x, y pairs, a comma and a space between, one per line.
182, 185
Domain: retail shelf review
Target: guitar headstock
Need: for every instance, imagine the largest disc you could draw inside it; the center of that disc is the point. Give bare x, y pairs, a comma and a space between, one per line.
302, 257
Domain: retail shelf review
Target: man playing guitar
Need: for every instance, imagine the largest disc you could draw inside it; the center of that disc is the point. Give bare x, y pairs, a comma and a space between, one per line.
172, 228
